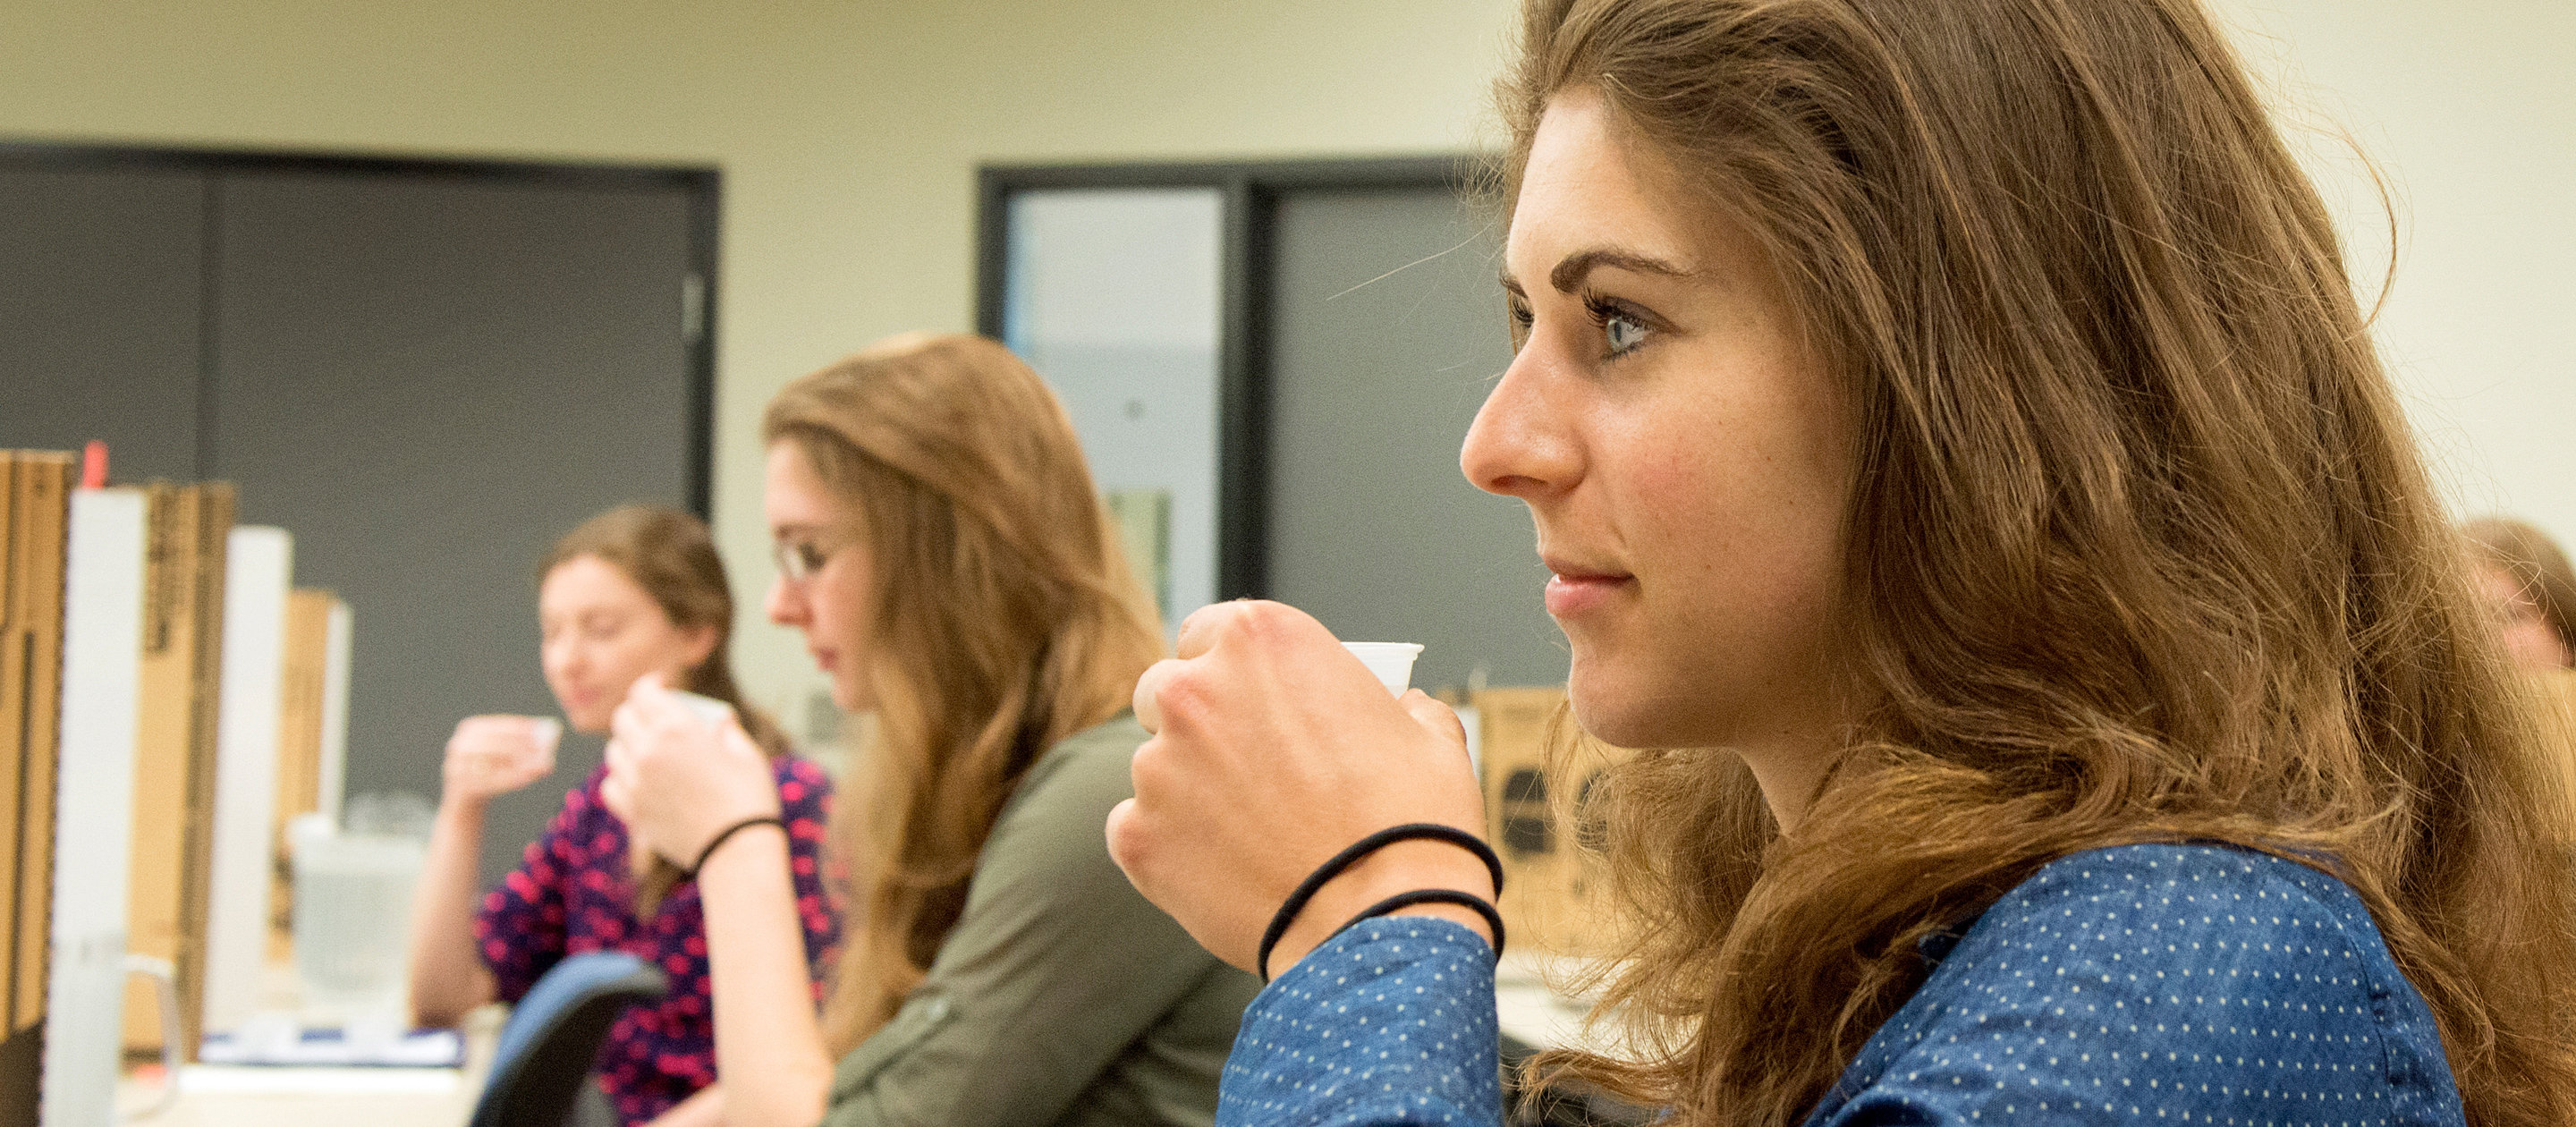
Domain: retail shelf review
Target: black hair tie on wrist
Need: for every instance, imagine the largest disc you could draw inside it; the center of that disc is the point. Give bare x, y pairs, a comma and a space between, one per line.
1483, 907
1315, 881
764, 820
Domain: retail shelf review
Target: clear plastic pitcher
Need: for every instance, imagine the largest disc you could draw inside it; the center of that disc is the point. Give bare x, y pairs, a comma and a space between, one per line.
352, 916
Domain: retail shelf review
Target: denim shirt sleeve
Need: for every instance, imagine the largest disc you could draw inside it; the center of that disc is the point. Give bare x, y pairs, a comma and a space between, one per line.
2158, 983
2153, 983
1390, 1022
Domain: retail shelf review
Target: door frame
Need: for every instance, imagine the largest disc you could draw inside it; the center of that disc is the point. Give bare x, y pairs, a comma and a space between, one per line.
1249, 193
703, 185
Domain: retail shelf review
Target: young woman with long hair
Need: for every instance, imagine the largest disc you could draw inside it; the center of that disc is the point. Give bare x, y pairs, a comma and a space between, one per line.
941, 548
1961, 458
636, 592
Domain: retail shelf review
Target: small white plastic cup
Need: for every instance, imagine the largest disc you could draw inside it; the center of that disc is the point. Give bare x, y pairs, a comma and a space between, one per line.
708, 710
548, 732
1392, 662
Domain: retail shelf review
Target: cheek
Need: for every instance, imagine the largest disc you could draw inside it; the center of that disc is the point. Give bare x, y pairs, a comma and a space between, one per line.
840, 607
1733, 522
629, 656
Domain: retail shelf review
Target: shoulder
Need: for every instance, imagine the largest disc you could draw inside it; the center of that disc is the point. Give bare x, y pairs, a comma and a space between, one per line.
1050, 829
2177, 978
1086, 769
2221, 894
581, 804
1115, 739
800, 780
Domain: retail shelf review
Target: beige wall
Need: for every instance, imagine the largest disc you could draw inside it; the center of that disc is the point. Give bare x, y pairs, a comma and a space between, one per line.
848, 133
2469, 111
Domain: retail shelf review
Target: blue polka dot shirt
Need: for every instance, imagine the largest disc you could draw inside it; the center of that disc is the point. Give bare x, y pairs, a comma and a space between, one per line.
2144, 984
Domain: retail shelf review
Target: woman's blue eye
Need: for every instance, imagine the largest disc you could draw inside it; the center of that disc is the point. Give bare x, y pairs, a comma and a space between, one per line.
1622, 333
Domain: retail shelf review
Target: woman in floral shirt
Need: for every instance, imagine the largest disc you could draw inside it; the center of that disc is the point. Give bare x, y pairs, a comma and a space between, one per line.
635, 591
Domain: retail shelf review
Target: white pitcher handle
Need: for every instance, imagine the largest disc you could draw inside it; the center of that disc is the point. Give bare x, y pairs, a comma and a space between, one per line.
165, 990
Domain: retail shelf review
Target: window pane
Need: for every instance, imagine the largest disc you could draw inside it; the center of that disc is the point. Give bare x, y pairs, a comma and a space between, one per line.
1112, 295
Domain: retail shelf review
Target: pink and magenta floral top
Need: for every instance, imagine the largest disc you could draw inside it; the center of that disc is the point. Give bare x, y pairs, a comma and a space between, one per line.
573, 892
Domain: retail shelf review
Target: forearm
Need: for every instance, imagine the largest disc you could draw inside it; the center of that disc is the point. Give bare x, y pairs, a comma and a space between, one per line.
447, 974
1407, 1008
769, 1047
706, 1109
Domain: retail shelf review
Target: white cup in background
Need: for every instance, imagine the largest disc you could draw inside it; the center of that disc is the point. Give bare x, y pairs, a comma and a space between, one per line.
1392, 662
548, 732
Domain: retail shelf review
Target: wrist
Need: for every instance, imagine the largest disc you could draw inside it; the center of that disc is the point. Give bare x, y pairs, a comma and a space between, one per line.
727, 840
1397, 868
463, 807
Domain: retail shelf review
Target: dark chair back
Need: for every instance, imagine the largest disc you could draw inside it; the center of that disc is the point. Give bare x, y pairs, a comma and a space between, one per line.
553, 1035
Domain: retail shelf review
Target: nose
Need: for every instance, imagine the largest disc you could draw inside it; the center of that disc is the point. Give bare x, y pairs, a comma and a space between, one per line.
785, 603
559, 655
1521, 444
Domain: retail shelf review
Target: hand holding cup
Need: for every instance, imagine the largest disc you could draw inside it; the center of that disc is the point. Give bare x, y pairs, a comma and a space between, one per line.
677, 778
490, 756
1273, 749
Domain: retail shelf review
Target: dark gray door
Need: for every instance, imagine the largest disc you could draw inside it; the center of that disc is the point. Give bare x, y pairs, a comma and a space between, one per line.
426, 372
428, 380
99, 314
1387, 331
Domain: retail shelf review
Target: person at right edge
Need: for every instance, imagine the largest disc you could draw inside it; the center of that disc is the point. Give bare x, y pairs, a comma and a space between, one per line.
1963, 465
2528, 587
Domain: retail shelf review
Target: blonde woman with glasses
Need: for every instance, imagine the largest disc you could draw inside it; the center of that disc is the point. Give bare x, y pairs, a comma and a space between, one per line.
941, 549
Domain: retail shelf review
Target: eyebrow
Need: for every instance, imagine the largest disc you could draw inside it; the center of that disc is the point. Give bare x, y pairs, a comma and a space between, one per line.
1569, 273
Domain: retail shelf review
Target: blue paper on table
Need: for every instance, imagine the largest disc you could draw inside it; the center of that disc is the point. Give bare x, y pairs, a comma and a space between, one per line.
333, 1048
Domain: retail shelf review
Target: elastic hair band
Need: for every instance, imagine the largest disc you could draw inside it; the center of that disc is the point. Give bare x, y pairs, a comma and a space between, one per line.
1482, 906
1315, 881
764, 820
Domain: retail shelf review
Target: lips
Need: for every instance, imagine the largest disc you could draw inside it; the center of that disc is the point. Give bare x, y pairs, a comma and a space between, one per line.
823, 659
1575, 588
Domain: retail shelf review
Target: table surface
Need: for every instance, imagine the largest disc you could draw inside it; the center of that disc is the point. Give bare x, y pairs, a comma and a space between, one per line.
218, 1096
1528, 1007
228, 1096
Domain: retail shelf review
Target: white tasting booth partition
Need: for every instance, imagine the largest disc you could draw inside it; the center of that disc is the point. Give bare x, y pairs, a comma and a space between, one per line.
94, 806
258, 574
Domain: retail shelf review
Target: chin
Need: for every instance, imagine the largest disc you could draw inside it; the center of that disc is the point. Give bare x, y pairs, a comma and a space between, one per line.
1631, 712
852, 699
1613, 726
1606, 713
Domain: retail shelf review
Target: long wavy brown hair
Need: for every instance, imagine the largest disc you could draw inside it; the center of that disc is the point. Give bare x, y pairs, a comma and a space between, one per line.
672, 556
2140, 545
1005, 619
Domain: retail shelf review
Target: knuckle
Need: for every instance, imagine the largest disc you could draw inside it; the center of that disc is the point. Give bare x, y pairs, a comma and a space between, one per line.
1259, 620
1184, 691
1130, 845
1149, 769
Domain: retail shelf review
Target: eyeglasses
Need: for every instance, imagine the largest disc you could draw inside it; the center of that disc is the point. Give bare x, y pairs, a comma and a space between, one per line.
799, 559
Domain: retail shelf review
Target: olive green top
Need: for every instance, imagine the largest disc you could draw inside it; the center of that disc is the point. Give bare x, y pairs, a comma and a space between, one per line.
1062, 997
